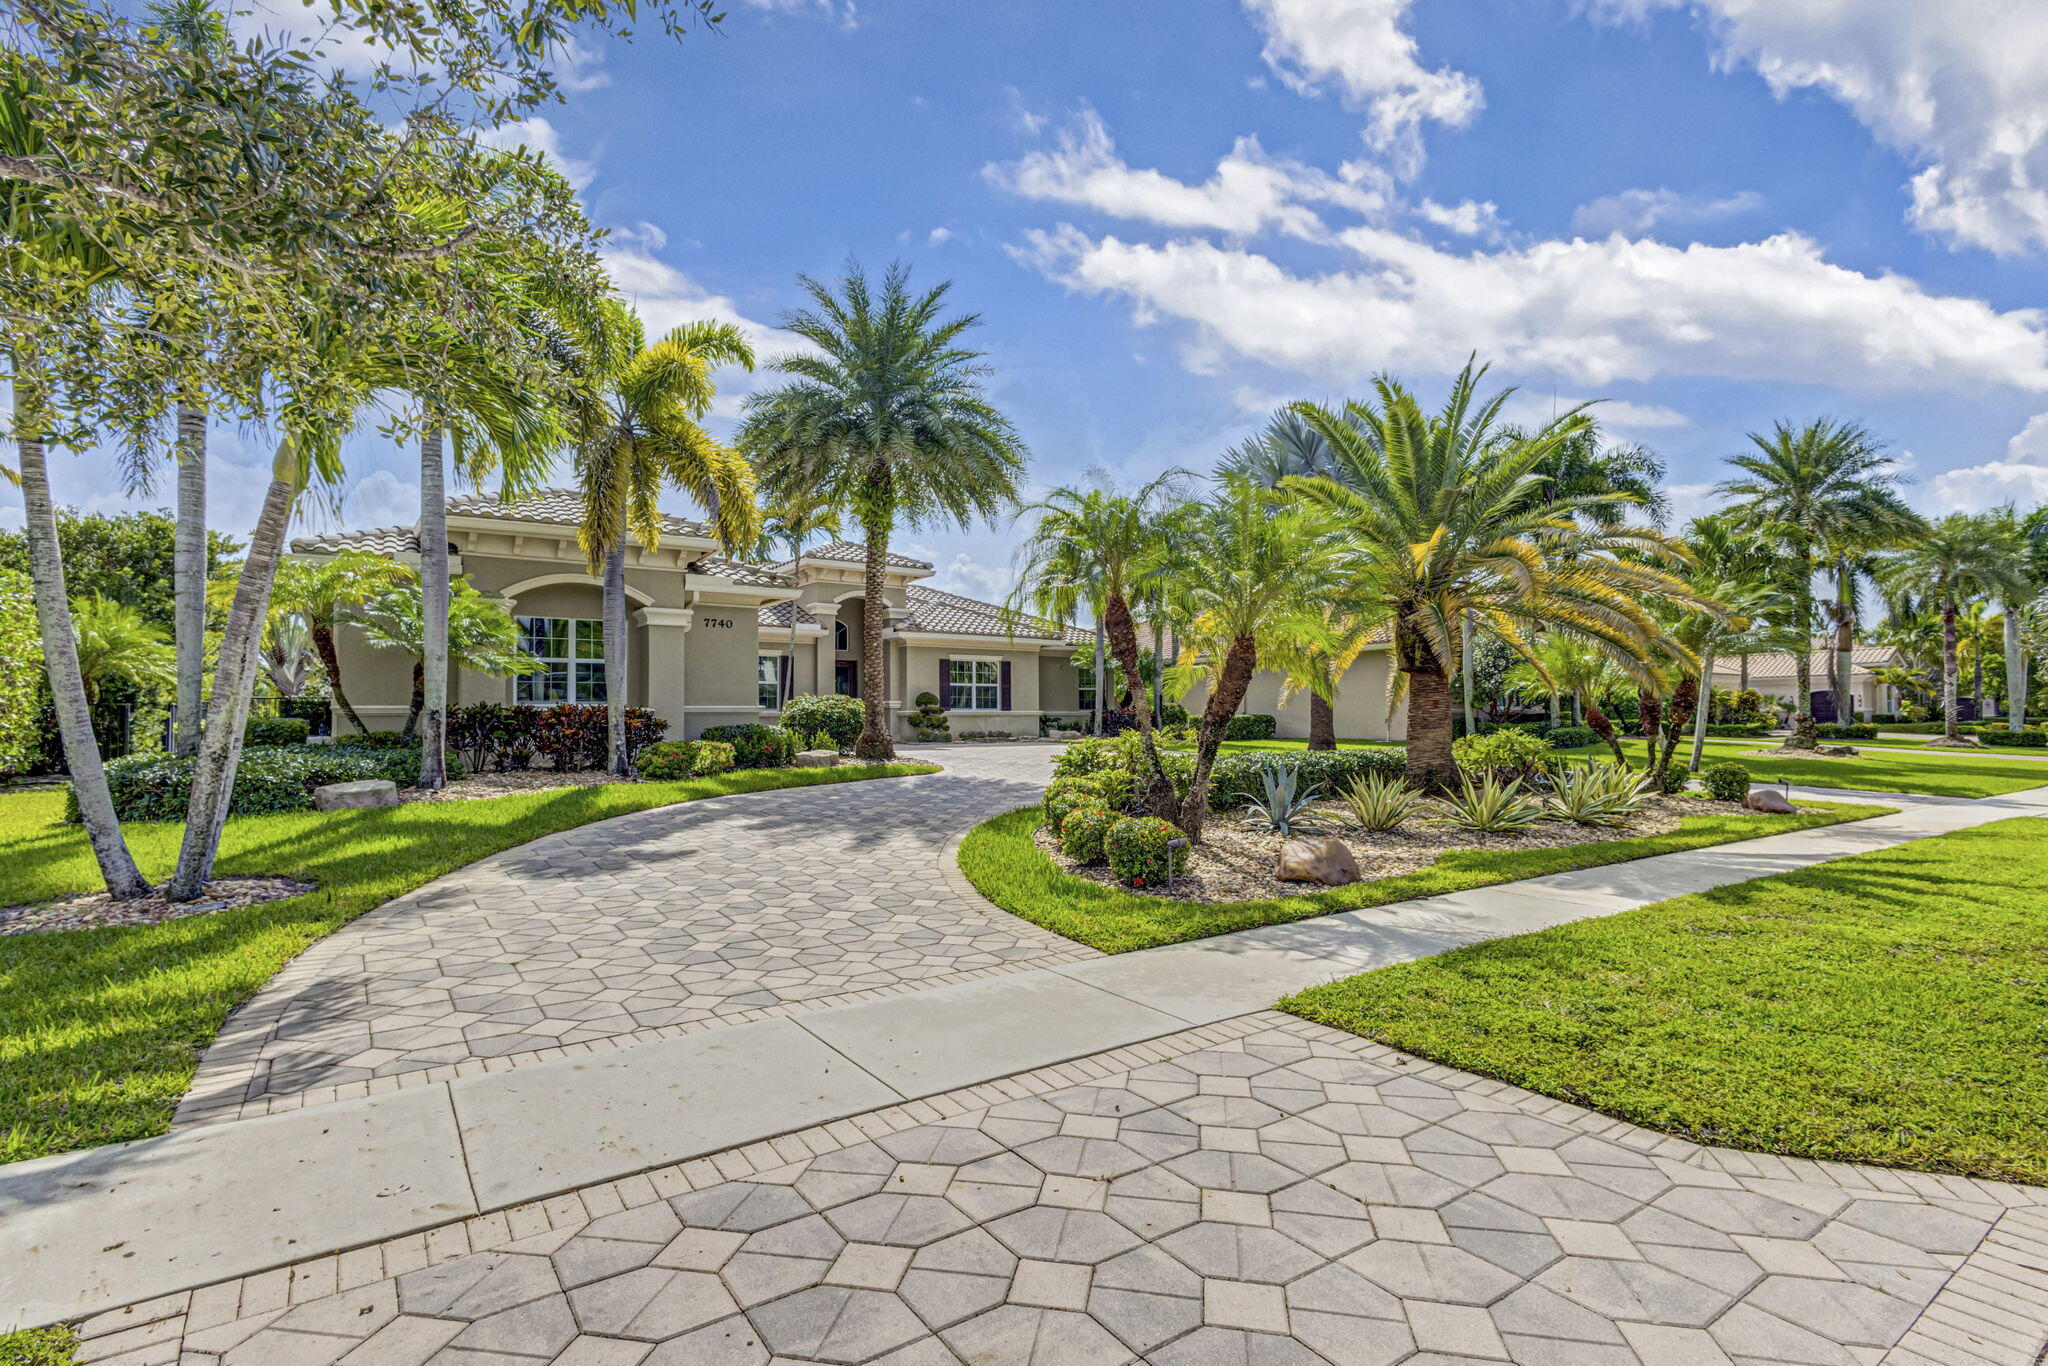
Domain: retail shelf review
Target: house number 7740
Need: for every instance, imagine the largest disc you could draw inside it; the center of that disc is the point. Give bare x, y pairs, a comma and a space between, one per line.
722, 623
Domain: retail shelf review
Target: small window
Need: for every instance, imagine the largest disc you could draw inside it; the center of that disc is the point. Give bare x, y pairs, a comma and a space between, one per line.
1087, 699
841, 637
769, 673
573, 650
977, 685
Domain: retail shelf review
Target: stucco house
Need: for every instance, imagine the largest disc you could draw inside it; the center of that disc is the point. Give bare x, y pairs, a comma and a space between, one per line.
710, 641
1775, 675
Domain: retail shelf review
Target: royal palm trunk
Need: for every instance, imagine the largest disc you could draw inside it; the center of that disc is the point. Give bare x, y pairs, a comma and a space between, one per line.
234, 678
1845, 646
617, 757
2015, 671
433, 612
1231, 682
188, 578
1802, 659
60, 662
1949, 669
1706, 695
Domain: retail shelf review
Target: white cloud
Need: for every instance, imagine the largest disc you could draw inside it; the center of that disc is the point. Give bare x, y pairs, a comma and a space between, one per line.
381, 498
841, 12
969, 577
1531, 408
1689, 501
937, 236
2022, 477
1471, 218
642, 234
1593, 313
1360, 46
541, 136
1248, 193
1636, 213
664, 298
579, 68
1955, 85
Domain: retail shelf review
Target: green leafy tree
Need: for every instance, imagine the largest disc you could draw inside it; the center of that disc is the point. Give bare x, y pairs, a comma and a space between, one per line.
124, 556
2028, 536
887, 420
641, 436
1452, 517
1960, 557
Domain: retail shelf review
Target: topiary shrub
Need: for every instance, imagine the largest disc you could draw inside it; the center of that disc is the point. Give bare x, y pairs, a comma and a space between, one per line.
1136, 849
1572, 737
1254, 726
756, 746
1510, 756
1726, 781
276, 730
1082, 832
838, 719
1672, 779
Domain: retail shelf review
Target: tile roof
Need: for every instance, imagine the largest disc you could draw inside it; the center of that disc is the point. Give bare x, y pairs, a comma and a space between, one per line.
936, 613
777, 614
556, 507
853, 552
752, 575
1862, 659
378, 540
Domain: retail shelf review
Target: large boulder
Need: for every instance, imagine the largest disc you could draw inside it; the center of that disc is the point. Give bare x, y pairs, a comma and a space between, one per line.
353, 796
1325, 859
1768, 799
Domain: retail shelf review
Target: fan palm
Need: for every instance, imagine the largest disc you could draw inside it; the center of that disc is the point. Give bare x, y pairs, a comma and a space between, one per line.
1100, 547
644, 435
1581, 467
1961, 556
1453, 517
1825, 489
886, 419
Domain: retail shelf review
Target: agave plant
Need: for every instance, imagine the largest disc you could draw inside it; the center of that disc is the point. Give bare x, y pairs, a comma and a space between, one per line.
1491, 807
1382, 801
1599, 794
1284, 808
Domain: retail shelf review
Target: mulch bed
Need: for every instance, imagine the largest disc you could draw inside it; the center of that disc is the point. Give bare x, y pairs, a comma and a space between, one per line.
99, 909
1235, 862
478, 786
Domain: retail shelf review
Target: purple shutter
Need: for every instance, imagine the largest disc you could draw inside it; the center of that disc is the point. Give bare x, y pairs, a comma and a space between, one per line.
1006, 685
945, 685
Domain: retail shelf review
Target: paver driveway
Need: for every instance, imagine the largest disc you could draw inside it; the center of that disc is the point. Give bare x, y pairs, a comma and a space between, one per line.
638, 927
1268, 1193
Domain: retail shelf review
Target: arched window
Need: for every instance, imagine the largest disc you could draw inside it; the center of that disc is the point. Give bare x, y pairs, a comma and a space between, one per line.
842, 639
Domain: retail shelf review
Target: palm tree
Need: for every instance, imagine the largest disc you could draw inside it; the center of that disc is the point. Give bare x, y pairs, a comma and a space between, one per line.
1977, 630
319, 591
117, 644
792, 521
1100, 547
641, 436
1268, 564
1825, 488
1581, 468
2028, 538
1453, 516
1961, 556
887, 420
482, 637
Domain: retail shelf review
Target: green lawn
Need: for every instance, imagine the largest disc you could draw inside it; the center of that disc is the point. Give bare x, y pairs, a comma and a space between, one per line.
1888, 1008
1969, 775
99, 1028
1003, 863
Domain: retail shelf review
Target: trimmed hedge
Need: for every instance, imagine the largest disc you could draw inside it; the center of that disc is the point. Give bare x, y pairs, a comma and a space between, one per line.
1254, 726
158, 787
756, 746
1742, 730
2013, 739
1572, 737
276, 730
1235, 779
1830, 730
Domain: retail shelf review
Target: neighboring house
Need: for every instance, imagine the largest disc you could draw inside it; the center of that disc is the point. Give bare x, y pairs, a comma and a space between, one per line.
1775, 675
709, 639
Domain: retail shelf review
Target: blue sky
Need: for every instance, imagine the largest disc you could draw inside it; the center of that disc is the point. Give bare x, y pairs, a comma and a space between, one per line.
1174, 216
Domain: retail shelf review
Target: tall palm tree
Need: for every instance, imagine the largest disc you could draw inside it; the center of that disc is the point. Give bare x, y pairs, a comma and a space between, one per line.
1960, 557
2028, 538
792, 521
640, 437
1582, 467
320, 591
1453, 515
1825, 489
886, 419
1100, 547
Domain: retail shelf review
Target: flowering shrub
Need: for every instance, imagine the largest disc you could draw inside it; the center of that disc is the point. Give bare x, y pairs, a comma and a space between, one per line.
1082, 832
1067, 795
674, 760
838, 719
756, 746
1136, 849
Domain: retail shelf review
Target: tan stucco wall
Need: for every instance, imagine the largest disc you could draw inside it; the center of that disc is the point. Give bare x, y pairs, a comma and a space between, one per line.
1360, 705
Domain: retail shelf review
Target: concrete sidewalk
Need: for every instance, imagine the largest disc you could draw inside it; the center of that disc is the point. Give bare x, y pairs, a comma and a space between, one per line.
88, 1231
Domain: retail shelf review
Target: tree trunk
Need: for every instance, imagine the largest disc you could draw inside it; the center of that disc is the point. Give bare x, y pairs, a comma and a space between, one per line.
1683, 698
1123, 639
1465, 669
785, 682
1604, 728
1949, 671
323, 646
874, 744
616, 757
60, 662
1322, 722
1429, 762
1553, 710
188, 578
1649, 720
1231, 681
434, 611
1699, 724
1742, 671
419, 701
1101, 677
1802, 659
1158, 667
1977, 675
2015, 671
234, 676
1845, 645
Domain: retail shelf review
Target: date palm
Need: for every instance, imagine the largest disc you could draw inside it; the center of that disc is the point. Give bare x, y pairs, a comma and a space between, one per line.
1824, 493
1960, 557
640, 436
1453, 516
885, 418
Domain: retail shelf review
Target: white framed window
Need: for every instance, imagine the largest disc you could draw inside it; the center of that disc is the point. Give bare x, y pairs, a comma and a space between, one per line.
842, 639
1086, 701
977, 685
769, 674
573, 650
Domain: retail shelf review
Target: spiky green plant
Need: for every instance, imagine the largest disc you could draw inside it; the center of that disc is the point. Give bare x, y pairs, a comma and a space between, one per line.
1381, 801
1284, 804
1598, 794
1491, 807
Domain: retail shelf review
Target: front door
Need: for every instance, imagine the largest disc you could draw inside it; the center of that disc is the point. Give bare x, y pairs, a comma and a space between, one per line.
846, 678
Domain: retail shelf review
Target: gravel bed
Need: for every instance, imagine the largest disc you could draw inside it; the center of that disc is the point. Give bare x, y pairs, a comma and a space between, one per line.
99, 909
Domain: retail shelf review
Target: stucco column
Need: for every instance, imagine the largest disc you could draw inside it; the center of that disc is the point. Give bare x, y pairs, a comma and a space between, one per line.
824, 653
663, 631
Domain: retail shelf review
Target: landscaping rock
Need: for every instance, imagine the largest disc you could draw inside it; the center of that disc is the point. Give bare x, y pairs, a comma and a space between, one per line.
353, 796
816, 758
1327, 860
1836, 751
1768, 799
